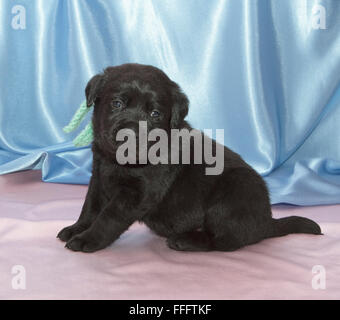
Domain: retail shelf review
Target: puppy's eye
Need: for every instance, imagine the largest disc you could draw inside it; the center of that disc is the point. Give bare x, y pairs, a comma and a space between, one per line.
155, 114
117, 104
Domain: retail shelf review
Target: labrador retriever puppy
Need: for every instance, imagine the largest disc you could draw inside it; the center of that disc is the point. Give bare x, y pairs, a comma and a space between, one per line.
194, 211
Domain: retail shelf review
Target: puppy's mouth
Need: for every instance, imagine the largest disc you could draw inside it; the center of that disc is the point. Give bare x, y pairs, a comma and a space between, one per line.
127, 151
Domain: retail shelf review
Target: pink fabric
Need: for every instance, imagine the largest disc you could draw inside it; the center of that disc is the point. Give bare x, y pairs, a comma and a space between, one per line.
140, 266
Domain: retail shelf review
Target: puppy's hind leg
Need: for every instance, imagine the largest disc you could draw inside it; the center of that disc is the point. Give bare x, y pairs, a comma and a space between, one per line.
190, 241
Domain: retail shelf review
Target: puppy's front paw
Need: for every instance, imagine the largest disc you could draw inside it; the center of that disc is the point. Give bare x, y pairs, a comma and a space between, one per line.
85, 243
70, 231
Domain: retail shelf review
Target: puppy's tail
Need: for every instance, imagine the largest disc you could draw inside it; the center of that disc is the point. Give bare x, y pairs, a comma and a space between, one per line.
293, 224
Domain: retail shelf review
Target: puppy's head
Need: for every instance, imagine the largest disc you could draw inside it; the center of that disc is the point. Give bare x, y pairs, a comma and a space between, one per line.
127, 94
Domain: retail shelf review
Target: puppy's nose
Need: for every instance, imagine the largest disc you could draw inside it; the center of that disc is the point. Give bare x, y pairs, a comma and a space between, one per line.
133, 125
123, 125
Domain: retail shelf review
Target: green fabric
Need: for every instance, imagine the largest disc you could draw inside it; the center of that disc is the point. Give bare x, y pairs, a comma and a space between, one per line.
86, 136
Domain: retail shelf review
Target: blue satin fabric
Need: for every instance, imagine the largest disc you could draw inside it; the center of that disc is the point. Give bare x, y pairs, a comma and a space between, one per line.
255, 68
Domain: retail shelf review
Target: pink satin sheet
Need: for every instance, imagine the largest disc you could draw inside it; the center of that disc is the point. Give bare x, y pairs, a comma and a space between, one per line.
140, 266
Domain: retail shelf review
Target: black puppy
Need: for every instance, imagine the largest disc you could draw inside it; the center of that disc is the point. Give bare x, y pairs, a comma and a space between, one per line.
194, 211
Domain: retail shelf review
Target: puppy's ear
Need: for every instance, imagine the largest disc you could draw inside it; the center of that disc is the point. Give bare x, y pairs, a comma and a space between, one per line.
92, 89
180, 107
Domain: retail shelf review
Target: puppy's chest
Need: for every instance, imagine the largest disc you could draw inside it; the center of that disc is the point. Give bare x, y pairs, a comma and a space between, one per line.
108, 179
147, 188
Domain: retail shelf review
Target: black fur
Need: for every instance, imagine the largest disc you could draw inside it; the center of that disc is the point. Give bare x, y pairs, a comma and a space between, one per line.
194, 211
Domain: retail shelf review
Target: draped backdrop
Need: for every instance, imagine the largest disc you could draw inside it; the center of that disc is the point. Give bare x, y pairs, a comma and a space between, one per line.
265, 71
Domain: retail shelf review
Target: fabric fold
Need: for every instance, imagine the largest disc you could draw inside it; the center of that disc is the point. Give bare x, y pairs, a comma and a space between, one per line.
261, 70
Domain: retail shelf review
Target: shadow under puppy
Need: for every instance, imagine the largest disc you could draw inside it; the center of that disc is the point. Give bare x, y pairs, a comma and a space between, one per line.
194, 211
